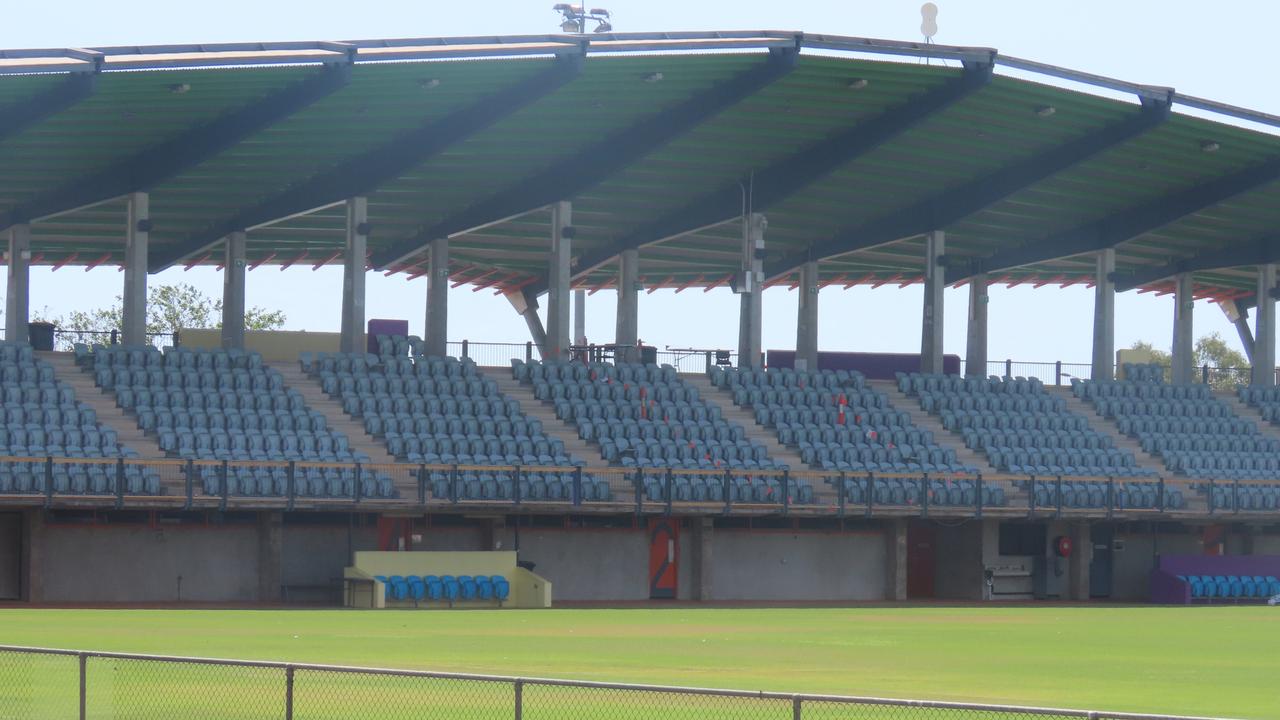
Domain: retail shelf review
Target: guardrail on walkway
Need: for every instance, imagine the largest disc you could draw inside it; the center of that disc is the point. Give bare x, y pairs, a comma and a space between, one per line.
45, 683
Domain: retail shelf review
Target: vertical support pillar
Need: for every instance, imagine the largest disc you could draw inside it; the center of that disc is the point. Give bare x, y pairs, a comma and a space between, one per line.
527, 308
627, 329
559, 272
33, 555
233, 291
436, 342
1104, 317
935, 281
1081, 558
699, 540
807, 318
17, 305
975, 351
579, 317
134, 313
750, 322
1183, 344
353, 271
1264, 342
270, 544
895, 589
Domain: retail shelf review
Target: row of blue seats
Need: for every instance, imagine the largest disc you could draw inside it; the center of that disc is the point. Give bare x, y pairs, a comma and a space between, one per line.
495, 407
713, 487
1122, 389
785, 398
900, 491
445, 588
856, 436
920, 383
369, 364
1096, 495
1209, 408
1138, 426
1244, 497
820, 417
962, 420
1266, 465
536, 371
75, 478
1160, 443
27, 374
519, 430
500, 485
398, 346
1231, 587
732, 378
202, 399
662, 432
394, 385
14, 351
981, 439
273, 481
570, 411
1258, 395
157, 379
836, 457
615, 391
934, 403
73, 416
46, 395
251, 421
131, 356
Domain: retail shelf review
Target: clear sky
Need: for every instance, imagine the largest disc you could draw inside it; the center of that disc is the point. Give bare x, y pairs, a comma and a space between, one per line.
1207, 49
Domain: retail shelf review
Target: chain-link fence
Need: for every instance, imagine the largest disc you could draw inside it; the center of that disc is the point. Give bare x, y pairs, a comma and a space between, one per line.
42, 683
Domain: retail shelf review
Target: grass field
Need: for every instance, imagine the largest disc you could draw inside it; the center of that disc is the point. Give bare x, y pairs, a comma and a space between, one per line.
1207, 661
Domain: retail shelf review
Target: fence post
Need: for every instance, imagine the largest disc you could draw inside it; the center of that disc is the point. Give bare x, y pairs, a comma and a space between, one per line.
291, 483
637, 482
727, 490
48, 482
176, 339
1058, 512
577, 486
671, 480
84, 663
786, 491
842, 495
464, 349
119, 483
1160, 493
1235, 496
795, 707
114, 337
453, 486
519, 687
1031, 498
871, 492
528, 351
1111, 496
222, 469
422, 485
1212, 497
925, 486
190, 482
517, 475
1008, 368
1057, 374
356, 486
288, 693
1204, 374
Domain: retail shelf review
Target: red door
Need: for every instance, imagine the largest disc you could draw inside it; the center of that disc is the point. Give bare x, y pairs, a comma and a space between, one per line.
922, 559
395, 533
663, 536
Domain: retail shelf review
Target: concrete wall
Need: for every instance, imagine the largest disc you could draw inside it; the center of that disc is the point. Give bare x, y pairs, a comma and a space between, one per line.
961, 559
274, 345
1132, 566
142, 564
10, 556
315, 555
589, 564
1266, 545
784, 565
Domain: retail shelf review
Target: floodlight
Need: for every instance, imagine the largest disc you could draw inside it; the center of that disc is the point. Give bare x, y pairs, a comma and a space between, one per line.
604, 27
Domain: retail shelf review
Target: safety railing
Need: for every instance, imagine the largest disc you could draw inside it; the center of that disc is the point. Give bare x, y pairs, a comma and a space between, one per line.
66, 339
208, 484
493, 354
39, 683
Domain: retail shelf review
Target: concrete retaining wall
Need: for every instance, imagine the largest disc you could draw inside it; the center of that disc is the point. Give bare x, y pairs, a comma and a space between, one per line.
778, 565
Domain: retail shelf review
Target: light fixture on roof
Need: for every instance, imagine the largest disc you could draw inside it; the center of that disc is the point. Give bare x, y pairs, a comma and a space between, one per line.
857, 84
653, 77
180, 88
1045, 111
429, 83
574, 18
1210, 146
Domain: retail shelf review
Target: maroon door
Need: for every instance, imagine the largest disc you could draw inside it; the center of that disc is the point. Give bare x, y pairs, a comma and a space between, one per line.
922, 559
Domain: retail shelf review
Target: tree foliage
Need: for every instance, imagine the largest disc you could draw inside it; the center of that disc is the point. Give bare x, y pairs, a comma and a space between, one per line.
170, 308
1228, 366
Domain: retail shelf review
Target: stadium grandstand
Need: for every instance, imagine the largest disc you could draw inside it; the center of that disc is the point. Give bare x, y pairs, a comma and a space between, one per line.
234, 466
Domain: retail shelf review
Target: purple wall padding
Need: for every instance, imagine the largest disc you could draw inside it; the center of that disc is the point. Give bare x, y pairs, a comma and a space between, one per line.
384, 327
1167, 588
876, 366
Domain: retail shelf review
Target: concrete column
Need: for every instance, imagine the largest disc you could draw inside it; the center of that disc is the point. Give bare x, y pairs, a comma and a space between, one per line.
1104, 317
270, 543
579, 317
750, 322
559, 273
896, 561
702, 530
1183, 329
437, 327
353, 270
527, 308
134, 314
233, 289
17, 306
33, 560
935, 281
975, 351
1081, 558
807, 318
627, 329
1264, 343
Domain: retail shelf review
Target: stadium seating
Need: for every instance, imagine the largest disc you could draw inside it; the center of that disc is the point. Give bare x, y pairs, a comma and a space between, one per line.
443, 411
646, 417
445, 588
40, 417
837, 423
1231, 587
226, 406
1194, 433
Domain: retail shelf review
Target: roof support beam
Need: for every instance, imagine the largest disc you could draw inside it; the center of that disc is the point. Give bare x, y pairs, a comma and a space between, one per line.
157, 163
600, 160
362, 174
1256, 252
953, 206
1127, 224
783, 179
69, 91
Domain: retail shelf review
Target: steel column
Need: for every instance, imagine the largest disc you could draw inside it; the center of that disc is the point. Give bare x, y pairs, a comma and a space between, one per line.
807, 318
1183, 328
627, 329
527, 307
437, 325
558, 301
233, 291
1104, 317
1264, 342
935, 282
353, 271
975, 355
134, 313
17, 307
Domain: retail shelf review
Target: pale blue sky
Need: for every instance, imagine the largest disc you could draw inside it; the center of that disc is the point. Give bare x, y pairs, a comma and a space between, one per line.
1208, 49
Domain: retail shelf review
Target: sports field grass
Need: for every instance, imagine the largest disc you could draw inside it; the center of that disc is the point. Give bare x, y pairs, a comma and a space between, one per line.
1207, 661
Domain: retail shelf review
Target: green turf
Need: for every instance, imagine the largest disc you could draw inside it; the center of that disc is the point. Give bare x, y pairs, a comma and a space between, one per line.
1208, 661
